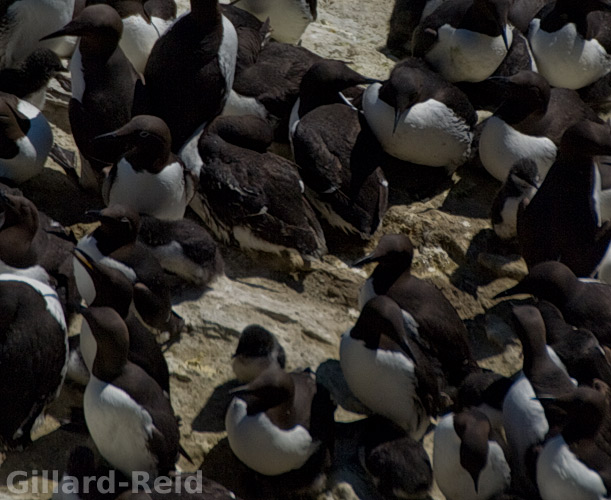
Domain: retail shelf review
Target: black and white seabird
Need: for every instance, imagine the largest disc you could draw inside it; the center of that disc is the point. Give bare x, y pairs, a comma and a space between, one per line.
183, 248
29, 79
577, 348
419, 117
34, 245
25, 139
386, 369
34, 355
103, 82
280, 421
520, 187
469, 457
288, 18
269, 86
129, 417
146, 176
442, 334
525, 420
572, 42
528, 124
252, 197
575, 465
465, 40
22, 24
563, 220
112, 288
114, 243
188, 92
583, 304
338, 156
144, 22
257, 349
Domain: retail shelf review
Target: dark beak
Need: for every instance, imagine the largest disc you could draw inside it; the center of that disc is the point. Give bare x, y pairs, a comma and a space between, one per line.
516, 290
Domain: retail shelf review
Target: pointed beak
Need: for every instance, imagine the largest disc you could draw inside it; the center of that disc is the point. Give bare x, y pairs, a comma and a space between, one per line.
365, 260
56, 34
83, 258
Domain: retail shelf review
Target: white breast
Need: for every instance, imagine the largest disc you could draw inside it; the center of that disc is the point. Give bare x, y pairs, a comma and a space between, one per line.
228, 53
562, 476
33, 148
453, 480
76, 74
84, 284
501, 146
429, 133
239, 105
465, 56
137, 40
119, 426
162, 195
264, 447
384, 381
565, 59
507, 229
88, 345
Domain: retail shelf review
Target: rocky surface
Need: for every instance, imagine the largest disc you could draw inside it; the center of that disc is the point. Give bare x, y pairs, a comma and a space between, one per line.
307, 308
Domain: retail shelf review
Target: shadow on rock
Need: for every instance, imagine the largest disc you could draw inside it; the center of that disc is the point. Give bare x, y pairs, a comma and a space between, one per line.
211, 417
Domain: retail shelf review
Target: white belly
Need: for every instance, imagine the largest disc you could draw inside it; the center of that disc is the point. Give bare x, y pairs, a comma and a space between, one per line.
453, 480
262, 446
565, 59
429, 133
562, 476
464, 56
501, 146
162, 195
384, 381
119, 426
33, 148
137, 40
523, 418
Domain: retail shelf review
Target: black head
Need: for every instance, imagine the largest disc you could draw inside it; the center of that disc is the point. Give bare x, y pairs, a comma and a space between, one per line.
118, 221
525, 174
393, 249
256, 341
112, 340
100, 22
332, 74
525, 88
113, 288
381, 321
144, 137
549, 280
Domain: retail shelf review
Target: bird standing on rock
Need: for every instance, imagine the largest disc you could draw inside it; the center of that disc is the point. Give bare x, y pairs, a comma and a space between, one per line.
146, 176
188, 92
419, 117
103, 82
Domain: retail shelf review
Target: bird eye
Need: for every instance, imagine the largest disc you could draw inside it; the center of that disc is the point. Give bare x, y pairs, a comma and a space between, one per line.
144, 134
